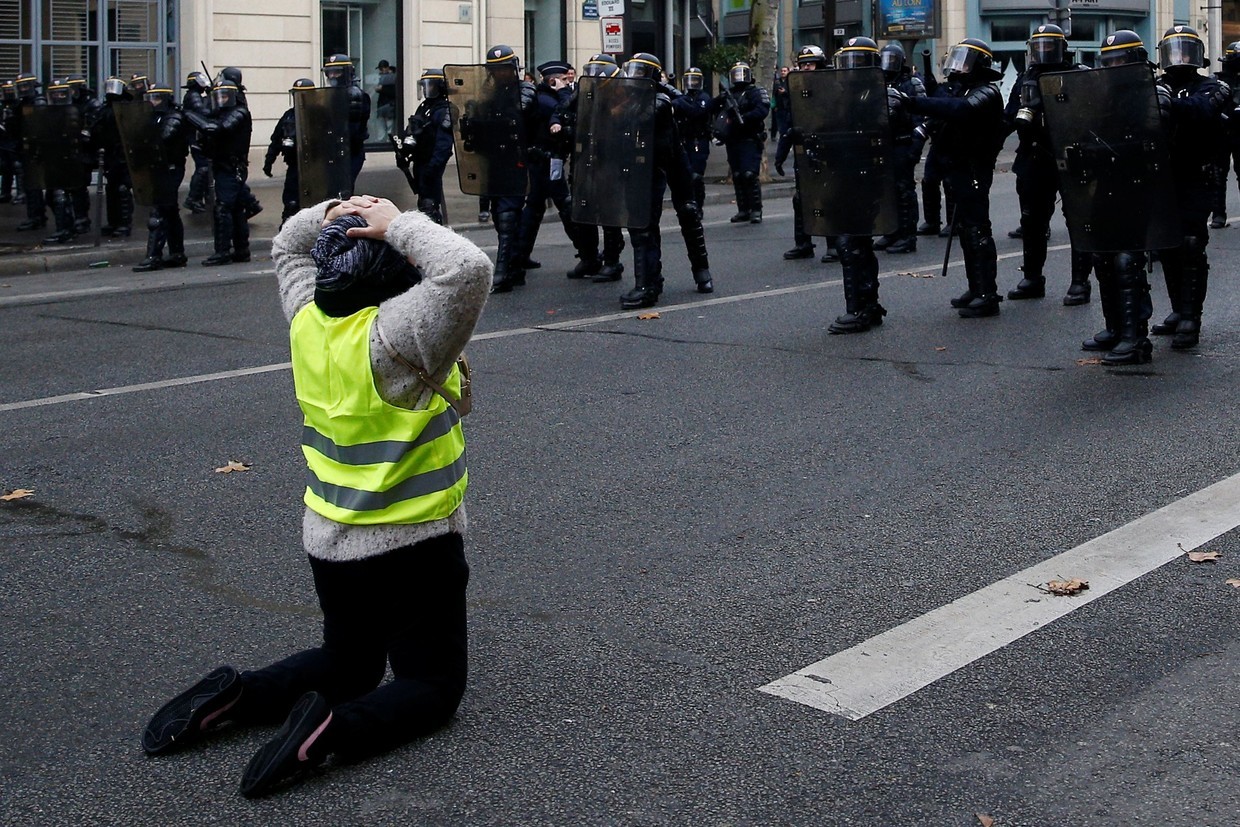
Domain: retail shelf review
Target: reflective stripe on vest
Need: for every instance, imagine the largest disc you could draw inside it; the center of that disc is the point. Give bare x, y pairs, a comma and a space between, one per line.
370, 462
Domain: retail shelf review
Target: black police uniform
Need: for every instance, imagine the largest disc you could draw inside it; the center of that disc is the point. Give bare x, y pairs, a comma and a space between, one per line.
165, 225
1230, 158
1037, 186
506, 215
969, 109
907, 135
118, 189
36, 204
197, 100
227, 143
747, 105
1198, 140
426, 148
692, 112
283, 144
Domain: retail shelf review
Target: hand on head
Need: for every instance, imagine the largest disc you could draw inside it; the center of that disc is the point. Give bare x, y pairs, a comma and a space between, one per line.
377, 212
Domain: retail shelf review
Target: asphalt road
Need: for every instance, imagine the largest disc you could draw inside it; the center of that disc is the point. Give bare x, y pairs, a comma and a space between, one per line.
666, 514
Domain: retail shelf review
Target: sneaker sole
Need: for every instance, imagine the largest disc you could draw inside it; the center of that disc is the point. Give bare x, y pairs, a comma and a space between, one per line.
183, 719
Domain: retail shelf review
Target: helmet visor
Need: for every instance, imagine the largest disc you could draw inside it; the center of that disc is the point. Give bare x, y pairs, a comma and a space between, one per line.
114, 86
430, 88
224, 96
856, 59
740, 74
335, 75
892, 61
1046, 50
693, 82
962, 59
59, 95
1181, 51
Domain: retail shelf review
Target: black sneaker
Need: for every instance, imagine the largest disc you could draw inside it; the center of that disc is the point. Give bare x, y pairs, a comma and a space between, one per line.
195, 712
293, 752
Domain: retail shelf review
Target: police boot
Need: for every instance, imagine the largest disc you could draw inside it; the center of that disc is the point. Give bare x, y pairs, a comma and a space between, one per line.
1192, 297
240, 235
930, 204
62, 211
804, 244
1133, 303
979, 251
903, 244
699, 190
1109, 298
505, 277
19, 183
124, 212
250, 206
832, 254
755, 199
1171, 268
884, 241
291, 208
1079, 290
741, 187
1033, 284
430, 207
646, 284
860, 300
613, 246
222, 227
154, 245
585, 241
695, 247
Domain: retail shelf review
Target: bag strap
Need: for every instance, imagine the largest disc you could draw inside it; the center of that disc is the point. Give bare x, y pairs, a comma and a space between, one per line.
462, 405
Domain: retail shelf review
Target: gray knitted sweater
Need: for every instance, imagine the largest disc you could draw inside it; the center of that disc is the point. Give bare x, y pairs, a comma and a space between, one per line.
429, 325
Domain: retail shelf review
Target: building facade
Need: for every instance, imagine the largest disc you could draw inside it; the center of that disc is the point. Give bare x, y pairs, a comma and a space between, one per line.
274, 42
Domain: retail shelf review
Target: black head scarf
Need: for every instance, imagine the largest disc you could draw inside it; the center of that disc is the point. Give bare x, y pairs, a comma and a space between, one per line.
357, 272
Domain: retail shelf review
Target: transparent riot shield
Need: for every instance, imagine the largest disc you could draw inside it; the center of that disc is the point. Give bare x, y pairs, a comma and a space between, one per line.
613, 152
487, 127
1111, 154
52, 139
323, 162
154, 184
845, 170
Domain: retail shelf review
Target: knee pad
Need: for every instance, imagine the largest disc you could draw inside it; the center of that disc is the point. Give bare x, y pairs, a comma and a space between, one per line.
154, 221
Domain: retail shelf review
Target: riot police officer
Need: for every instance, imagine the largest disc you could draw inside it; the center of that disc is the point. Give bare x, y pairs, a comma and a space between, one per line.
9, 142
809, 59
970, 110
26, 86
283, 144
1197, 142
608, 266
338, 72
1123, 289
502, 66
1036, 184
59, 94
692, 111
908, 136
197, 99
1229, 73
227, 143
88, 108
164, 225
118, 190
856, 252
425, 146
743, 109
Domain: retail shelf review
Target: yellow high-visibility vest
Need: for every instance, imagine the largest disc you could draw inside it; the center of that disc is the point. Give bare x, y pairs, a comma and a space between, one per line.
370, 462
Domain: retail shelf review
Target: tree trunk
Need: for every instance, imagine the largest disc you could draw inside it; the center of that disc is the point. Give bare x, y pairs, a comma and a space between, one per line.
764, 39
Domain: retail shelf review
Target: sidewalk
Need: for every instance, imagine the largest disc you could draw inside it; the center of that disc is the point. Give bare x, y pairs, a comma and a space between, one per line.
23, 253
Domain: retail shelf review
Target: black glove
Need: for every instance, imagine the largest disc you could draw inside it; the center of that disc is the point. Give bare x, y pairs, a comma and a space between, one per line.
267, 170
895, 99
779, 167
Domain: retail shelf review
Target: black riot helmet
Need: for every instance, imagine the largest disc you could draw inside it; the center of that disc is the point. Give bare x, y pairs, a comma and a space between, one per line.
502, 63
26, 85
741, 74
432, 84
299, 85
891, 59
338, 70
59, 93
8, 92
115, 89
810, 58
138, 84
1181, 48
972, 57
77, 82
600, 66
197, 82
233, 75
1047, 46
858, 53
224, 94
1123, 46
1231, 57
160, 97
693, 79
642, 65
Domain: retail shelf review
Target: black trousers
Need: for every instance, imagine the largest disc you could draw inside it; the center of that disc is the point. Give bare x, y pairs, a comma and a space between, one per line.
405, 607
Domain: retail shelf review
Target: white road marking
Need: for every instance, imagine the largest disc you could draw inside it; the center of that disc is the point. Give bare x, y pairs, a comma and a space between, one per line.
892, 665
587, 321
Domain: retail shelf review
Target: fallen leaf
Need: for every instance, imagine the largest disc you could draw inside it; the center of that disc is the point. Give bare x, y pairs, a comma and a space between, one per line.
1091, 361
232, 465
551, 312
940, 349
986, 821
1233, 582
647, 316
1066, 587
17, 494
1203, 556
